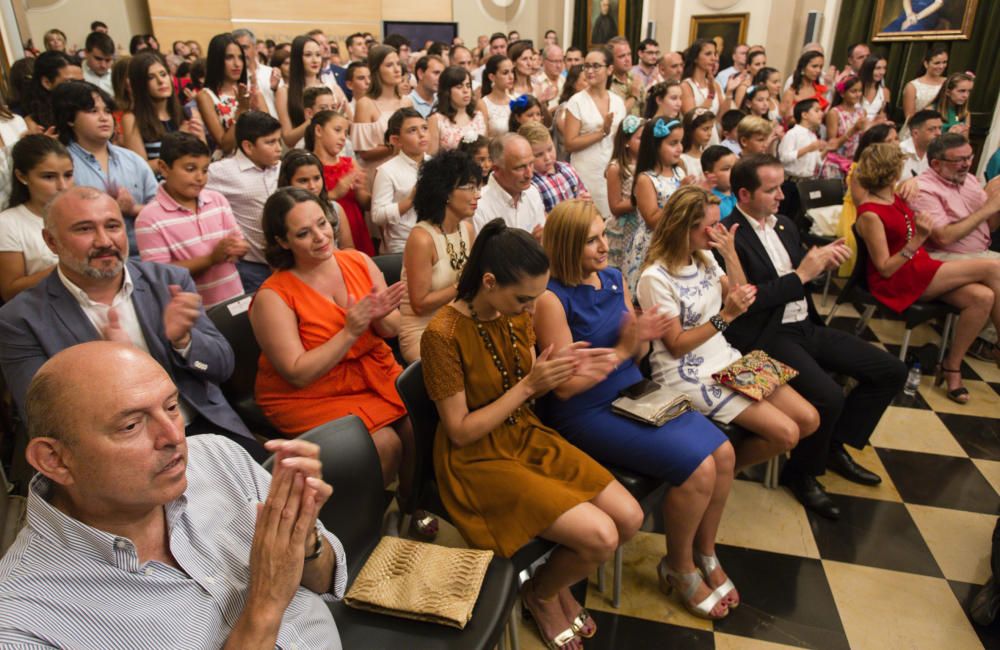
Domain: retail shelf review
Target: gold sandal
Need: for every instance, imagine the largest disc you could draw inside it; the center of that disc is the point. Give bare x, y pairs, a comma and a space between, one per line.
560, 640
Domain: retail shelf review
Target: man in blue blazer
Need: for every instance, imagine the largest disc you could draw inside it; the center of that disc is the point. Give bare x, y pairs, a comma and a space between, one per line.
95, 293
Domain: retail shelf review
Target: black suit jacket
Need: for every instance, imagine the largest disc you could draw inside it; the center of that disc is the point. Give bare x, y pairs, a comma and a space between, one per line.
754, 329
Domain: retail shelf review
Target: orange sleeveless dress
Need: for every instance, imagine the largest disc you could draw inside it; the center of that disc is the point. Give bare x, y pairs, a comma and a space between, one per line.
362, 384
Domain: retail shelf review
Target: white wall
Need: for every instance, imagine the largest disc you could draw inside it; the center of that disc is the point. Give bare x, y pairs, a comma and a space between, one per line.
123, 17
531, 18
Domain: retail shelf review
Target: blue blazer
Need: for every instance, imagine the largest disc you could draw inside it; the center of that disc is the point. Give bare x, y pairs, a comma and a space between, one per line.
41, 321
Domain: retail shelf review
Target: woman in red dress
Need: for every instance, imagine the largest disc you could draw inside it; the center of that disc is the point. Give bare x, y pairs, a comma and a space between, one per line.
900, 271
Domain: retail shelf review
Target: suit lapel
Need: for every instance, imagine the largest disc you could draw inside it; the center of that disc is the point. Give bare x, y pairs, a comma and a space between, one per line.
790, 241
750, 240
146, 310
68, 311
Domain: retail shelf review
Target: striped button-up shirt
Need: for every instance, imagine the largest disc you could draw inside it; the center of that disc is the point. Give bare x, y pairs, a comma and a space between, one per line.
561, 185
167, 232
66, 584
247, 188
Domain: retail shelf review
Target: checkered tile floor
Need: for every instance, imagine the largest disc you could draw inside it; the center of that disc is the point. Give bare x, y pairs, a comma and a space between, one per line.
898, 569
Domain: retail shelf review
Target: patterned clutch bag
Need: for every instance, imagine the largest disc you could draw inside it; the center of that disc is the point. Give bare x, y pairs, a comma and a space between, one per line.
755, 375
421, 581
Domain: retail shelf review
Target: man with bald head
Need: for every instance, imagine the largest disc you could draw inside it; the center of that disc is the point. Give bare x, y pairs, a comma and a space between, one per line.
672, 66
137, 537
509, 194
96, 294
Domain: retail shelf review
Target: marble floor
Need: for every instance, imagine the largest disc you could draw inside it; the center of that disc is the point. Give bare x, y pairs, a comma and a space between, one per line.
898, 569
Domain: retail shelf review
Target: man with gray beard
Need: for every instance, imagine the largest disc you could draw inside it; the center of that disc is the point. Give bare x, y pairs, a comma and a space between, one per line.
96, 294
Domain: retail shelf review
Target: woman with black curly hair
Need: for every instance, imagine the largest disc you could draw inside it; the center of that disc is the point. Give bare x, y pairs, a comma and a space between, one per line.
446, 194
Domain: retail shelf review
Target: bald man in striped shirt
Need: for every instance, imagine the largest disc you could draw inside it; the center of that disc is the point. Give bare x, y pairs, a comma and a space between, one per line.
138, 537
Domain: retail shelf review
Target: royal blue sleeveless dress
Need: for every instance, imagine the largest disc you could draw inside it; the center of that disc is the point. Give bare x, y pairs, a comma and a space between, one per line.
670, 452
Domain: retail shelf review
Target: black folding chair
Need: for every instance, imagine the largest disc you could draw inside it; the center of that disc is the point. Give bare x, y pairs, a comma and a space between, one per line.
232, 318
856, 291
818, 193
392, 270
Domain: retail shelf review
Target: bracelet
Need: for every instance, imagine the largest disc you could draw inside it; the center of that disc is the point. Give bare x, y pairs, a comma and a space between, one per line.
907, 255
317, 550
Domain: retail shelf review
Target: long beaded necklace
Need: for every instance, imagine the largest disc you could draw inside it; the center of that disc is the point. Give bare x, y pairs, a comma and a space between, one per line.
906, 217
491, 348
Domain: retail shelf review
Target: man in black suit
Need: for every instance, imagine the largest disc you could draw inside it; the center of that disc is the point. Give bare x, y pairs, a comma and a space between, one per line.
783, 322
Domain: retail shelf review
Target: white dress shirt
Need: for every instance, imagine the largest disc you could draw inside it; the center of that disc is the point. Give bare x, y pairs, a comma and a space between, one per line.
247, 187
128, 320
394, 181
526, 212
263, 77
806, 166
794, 311
102, 81
914, 165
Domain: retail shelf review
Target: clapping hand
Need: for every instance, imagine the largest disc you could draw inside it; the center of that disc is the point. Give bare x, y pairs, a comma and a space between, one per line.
738, 301
387, 300
650, 326
113, 331
924, 225
229, 249
180, 315
548, 372
285, 531
592, 363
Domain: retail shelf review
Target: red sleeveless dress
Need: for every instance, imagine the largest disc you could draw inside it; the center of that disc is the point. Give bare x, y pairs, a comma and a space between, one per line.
902, 289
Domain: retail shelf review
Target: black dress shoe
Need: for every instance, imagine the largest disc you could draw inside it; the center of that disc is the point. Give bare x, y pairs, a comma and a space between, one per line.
811, 494
841, 462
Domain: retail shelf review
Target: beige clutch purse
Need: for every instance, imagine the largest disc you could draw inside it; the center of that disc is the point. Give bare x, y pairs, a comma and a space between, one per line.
421, 581
653, 404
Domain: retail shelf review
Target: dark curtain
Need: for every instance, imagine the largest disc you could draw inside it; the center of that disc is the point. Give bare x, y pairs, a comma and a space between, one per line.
632, 27
978, 55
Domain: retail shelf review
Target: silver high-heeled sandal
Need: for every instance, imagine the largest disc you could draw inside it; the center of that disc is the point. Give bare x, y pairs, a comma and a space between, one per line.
686, 587
708, 564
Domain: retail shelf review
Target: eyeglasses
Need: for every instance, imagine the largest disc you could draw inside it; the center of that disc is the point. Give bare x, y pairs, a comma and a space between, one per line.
963, 159
594, 66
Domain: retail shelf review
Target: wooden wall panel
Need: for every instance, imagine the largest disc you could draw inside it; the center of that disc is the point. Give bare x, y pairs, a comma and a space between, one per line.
357, 11
193, 9
282, 21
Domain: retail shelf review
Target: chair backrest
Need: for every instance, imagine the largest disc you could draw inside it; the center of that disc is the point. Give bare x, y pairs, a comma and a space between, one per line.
424, 419
821, 192
859, 276
391, 267
350, 464
232, 318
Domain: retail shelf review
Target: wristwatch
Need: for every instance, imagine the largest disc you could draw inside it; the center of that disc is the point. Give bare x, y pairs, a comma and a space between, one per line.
718, 322
317, 549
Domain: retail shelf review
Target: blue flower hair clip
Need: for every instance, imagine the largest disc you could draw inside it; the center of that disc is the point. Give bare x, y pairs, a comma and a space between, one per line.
631, 124
662, 129
519, 103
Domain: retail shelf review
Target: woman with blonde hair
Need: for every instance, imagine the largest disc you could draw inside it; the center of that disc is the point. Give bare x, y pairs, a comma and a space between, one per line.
587, 302
900, 272
683, 280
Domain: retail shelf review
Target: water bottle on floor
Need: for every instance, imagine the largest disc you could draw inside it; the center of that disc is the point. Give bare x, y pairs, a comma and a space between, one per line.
912, 380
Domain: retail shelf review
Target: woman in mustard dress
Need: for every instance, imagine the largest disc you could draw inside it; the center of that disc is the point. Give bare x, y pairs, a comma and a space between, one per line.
504, 477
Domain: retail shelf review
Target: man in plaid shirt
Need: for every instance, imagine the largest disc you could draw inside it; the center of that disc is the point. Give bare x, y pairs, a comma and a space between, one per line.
556, 181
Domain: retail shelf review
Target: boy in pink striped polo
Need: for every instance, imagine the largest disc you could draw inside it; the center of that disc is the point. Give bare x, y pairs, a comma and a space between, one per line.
189, 226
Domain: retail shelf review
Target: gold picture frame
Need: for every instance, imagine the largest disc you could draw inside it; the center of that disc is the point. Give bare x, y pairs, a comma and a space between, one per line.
608, 28
731, 29
939, 20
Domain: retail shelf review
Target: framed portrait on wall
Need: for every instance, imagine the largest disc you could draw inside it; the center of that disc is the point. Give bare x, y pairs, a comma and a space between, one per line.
605, 20
727, 30
923, 20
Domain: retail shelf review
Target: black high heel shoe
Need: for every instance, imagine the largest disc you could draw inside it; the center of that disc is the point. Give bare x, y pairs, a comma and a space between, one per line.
959, 395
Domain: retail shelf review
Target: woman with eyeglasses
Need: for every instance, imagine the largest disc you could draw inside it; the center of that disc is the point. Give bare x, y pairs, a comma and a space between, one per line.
592, 117
445, 199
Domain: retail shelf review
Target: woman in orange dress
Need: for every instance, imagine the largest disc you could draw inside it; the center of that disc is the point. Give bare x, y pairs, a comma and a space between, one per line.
505, 477
320, 320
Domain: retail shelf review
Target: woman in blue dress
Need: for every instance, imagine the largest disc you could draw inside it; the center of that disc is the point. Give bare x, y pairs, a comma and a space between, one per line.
917, 16
588, 301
